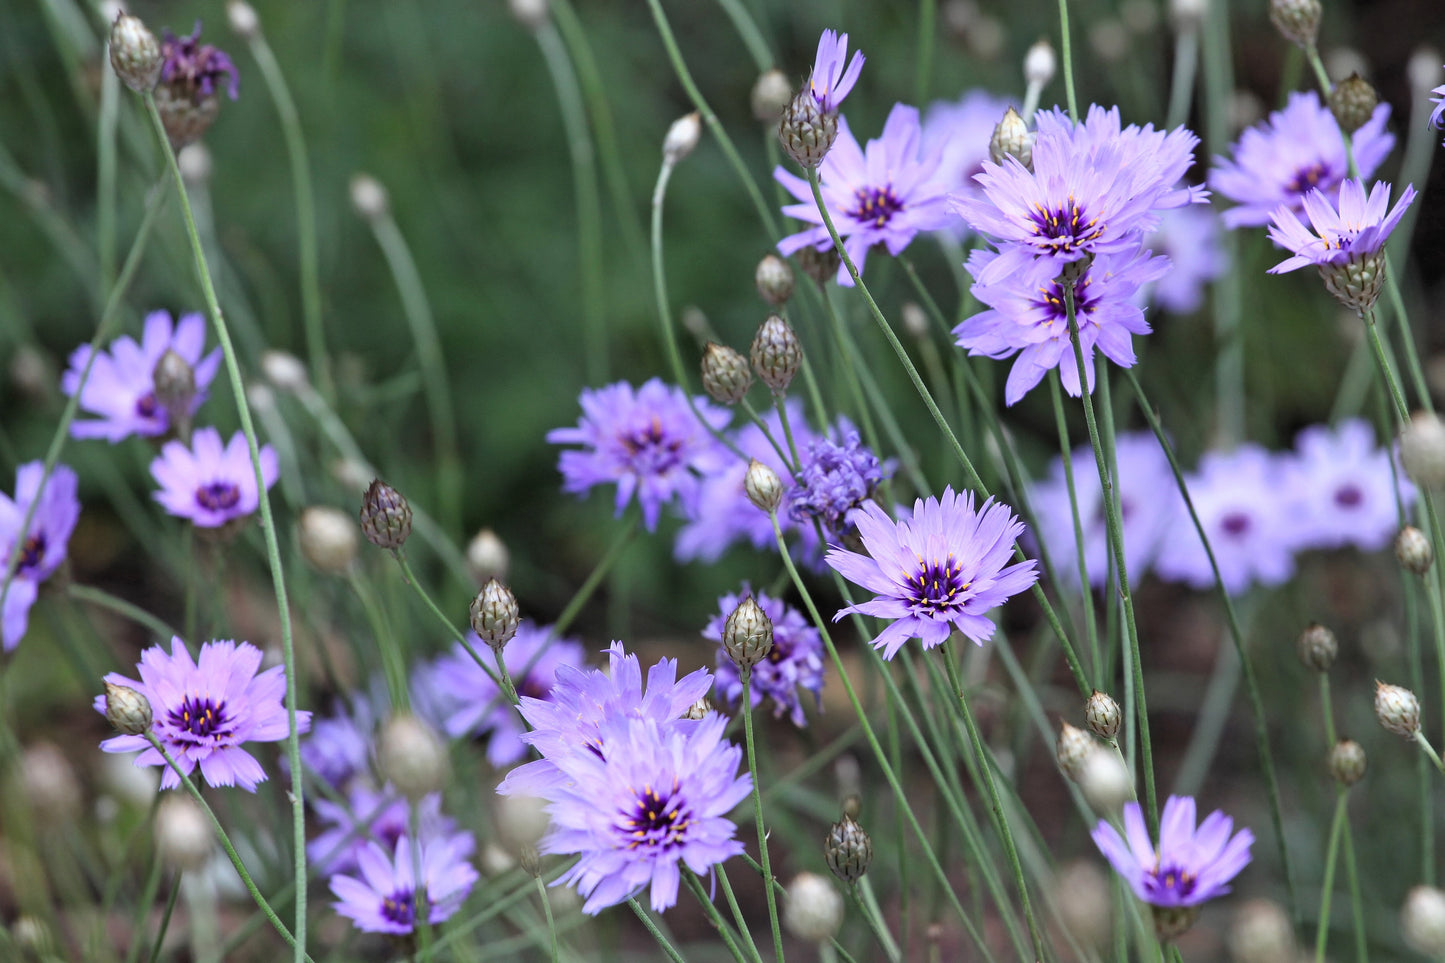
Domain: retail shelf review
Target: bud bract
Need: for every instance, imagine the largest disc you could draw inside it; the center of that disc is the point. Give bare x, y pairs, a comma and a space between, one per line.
1103, 715
774, 278
726, 376
848, 850
1317, 647
495, 614
175, 389
813, 911
763, 487
1073, 750
487, 557
1422, 450
1298, 21
776, 353
1353, 101
1012, 138
128, 710
805, 131
385, 516
1172, 922
135, 53
698, 709
1397, 708
1413, 549
682, 138
327, 538
747, 635
1347, 762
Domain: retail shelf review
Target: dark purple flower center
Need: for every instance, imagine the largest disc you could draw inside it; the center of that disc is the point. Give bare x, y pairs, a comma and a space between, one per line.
1085, 299
935, 586
876, 204
218, 496
533, 685
1349, 496
400, 908
1066, 228
146, 405
202, 717
1309, 177
656, 820
32, 552
1172, 884
199, 69
1235, 524
651, 449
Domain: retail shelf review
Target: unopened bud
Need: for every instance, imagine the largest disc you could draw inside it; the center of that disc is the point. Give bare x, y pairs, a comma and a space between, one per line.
530, 860
531, 14
813, 911
242, 18
776, 353
915, 320
1040, 64
1187, 14
698, 709
1012, 138
128, 710
327, 538
682, 138
848, 850
821, 266
184, 838
1397, 708
385, 516
1103, 715
284, 370
1172, 922
411, 757
487, 557
1105, 781
1422, 450
748, 635
1317, 647
194, 160
368, 197
1262, 933
1073, 750
175, 388
1422, 921
1347, 762
725, 374
1413, 549
1353, 101
774, 278
763, 487
135, 54
805, 131
495, 614
1298, 21
521, 820
771, 95
48, 780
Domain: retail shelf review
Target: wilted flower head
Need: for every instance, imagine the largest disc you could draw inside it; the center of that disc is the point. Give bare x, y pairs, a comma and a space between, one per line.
121, 388
41, 546
794, 662
210, 484
835, 479
830, 81
1189, 866
384, 899
197, 69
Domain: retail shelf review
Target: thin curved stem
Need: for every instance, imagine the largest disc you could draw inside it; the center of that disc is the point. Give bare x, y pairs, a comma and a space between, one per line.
747, 709
104, 600
1066, 49
647, 921
1322, 932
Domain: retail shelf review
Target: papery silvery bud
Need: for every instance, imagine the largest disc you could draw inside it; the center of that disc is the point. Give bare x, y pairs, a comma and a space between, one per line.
1103, 715
48, 780
1422, 921
1397, 708
726, 376
487, 557
495, 614
135, 54
813, 908
682, 138
521, 820
128, 710
1073, 750
385, 516
1172, 922
1347, 762
531, 14
848, 850
776, 353
1040, 64
1317, 647
747, 635
821, 266
1081, 892
915, 320
1353, 101
774, 279
1262, 933
284, 370
1105, 781
1298, 21
805, 131
763, 487
1012, 138
411, 757
368, 197
327, 538
1413, 549
1187, 14
771, 94
1423, 69
185, 840
175, 389
194, 160
1422, 450
242, 18
698, 709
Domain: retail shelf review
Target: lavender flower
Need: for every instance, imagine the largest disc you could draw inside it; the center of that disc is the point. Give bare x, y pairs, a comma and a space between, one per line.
370, 815
959, 132
1027, 315
829, 81
941, 570
339, 746
205, 709
655, 795
1438, 114
835, 479
1294, 151
884, 195
209, 484
196, 67
645, 440
42, 546
1239, 497
1189, 238
121, 387
1189, 866
795, 661
384, 899
1343, 488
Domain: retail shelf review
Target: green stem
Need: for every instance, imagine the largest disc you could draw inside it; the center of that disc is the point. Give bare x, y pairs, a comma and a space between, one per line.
1066, 49
868, 903
1085, 588
166, 920
923, 69
547, 909
105, 174
737, 911
104, 600
651, 925
715, 917
1322, 932
595, 577
1357, 903
1387, 371
747, 708
392, 663
1429, 750
410, 578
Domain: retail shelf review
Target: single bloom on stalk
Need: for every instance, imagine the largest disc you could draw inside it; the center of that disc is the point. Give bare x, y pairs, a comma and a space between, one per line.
1296, 150
121, 389
830, 80
941, 570
338, 748
366, 814
1343, 488
883, 195
1346, 245
644, 440
1027, 315
209, 483
794, 662
41, 547
204, 710
384, 899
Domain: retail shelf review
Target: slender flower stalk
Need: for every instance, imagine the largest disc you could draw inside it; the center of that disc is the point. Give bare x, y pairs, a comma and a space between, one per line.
747, 677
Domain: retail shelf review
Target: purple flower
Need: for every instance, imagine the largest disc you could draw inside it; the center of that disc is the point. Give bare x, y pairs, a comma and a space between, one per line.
829, 81
1189, 866
1438, 114
121, 388
795, 660
959, 131
470, 703
1027, 315
339, 746
938, 571
384, 900
366, 816
198, 67
41, 546
653, 796
1343, 488
1240, 499
645, 440
1189, 237
1356, 231
885, 195
1294, 151
209, 484
834, 480
204, 710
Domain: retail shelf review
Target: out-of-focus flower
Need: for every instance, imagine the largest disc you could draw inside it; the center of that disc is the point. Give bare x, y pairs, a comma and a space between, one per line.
192, 76
794, 662
384, 899
959, 132
1343, 488
1189, 237
42, 546
835, 479
339, 746
1190, 865
208, 483
369, 815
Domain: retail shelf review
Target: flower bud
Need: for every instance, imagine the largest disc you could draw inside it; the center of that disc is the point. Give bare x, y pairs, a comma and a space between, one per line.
135, 54
495, 614
774, 278
487, 557
915, 320
242, 18
725, 374
1298, 21
368, 197
285, 371
1073, 750
763, 487
521, 820
1012, 138
385, 516
530, 861
327, 539
1040, 64
1187, 14
748, 635
698, 709
1397, 708
821, 266
1413, 549
682, 138
175, 388
531, 14
1262, 933
48, 781
1172, 922
128, 710
1317, 647
776, 353
848, 850
1422, 921
1105, 781
813, 908
1352, 102
1081, 893
1422, 450
1103, 715
184, 838
805, 131
1423, 69
1347, 762
770, 96
411, 757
